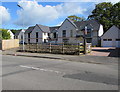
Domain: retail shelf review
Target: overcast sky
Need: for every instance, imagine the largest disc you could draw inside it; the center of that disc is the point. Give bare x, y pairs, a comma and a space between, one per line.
46, 13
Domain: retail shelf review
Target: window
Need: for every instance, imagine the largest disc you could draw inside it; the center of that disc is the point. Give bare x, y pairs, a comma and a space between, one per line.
117, 39
16, 37
71, 33
54, 35
104, 39
45, 40
109, 39
28, 37
64, 33
21, 36
48, 34
44, 33
36, 37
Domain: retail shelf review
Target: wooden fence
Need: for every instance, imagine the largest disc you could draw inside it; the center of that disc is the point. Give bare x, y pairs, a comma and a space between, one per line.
8, 44
59, 48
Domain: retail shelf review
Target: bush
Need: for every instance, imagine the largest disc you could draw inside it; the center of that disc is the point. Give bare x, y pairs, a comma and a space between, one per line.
5, 34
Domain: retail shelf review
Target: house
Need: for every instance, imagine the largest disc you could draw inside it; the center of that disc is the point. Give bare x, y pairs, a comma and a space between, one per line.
69, 30
53, 37
94, 31
37, 34
19, 35
111, 38
28, 34
11, 34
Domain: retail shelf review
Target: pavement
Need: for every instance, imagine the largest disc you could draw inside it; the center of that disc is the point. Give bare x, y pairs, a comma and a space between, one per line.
96, 59
105, 51
28, 73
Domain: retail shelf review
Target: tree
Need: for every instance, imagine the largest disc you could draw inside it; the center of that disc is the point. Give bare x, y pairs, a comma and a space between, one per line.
102, 13
115, 14
76, 18
5, 34
107, 14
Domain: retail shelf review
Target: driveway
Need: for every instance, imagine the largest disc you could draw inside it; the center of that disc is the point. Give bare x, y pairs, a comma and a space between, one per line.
105, 51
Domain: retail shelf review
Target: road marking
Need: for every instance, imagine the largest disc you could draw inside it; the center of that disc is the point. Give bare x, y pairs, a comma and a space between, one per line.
41, 69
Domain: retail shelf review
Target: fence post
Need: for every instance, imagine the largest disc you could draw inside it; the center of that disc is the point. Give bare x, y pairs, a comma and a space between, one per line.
40, 47
50, 48
84, 45
78, 48
29, 47
63, 48
36, 47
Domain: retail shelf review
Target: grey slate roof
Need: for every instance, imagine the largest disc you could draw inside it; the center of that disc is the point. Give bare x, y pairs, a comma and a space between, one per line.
17, 33
89, 23
44, 28
72, 22
80, 25
29, 30
55, 28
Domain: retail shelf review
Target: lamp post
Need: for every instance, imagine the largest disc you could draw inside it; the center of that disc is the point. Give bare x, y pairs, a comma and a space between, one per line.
23, 31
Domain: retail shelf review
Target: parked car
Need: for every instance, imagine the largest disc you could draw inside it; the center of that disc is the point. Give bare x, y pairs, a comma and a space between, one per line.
21, 42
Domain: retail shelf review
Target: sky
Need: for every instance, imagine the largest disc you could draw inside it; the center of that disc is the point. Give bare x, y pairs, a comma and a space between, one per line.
30, 13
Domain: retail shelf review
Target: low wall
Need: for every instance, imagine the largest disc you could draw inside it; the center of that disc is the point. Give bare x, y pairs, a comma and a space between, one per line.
8, 44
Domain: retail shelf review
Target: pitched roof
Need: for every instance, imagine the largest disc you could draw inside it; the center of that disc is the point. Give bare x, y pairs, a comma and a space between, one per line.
29, 30
17, 33
111, 31
89, 23
54, 28
44, 28
72, 22
11, 32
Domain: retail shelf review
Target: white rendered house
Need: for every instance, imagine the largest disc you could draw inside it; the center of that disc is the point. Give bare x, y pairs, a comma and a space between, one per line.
11, 34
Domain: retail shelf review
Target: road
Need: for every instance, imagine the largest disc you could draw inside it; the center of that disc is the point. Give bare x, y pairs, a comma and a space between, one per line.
28, 73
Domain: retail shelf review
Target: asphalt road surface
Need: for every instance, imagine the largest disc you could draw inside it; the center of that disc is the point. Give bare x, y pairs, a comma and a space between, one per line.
28, 73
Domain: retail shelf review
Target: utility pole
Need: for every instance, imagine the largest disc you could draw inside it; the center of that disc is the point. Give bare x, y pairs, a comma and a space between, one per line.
23, 31
85, 32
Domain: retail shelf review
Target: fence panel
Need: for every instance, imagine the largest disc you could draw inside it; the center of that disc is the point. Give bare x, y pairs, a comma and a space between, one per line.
8, 44
59, 48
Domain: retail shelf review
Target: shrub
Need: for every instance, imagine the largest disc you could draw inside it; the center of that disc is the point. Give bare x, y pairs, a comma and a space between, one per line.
5, 34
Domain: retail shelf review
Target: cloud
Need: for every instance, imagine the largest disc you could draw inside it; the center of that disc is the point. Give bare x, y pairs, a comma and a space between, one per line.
4, 15
96, 1
31, 12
